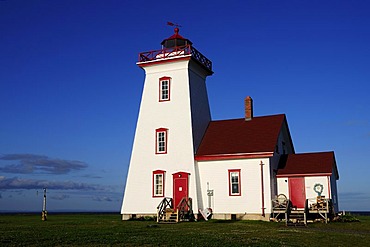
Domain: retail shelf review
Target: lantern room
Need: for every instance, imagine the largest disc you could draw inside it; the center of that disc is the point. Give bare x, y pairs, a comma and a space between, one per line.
175, 40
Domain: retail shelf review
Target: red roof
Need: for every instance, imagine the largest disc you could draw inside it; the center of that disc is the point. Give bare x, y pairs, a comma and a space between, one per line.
308, 164
238, 136
176, 35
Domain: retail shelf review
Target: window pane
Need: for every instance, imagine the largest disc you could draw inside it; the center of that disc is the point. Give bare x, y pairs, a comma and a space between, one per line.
234, 177
235, 189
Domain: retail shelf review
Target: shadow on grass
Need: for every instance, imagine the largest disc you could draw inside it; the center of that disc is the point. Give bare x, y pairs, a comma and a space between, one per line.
223, 221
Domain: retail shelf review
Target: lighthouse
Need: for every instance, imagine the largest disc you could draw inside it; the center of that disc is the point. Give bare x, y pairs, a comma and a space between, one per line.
185, 165
174, 115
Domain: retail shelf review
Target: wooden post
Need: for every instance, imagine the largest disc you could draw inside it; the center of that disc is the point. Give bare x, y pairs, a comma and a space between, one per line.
262, 190
44, 212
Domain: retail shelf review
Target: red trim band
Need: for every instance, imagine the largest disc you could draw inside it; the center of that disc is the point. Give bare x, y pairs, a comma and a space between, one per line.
233, 156
303, 175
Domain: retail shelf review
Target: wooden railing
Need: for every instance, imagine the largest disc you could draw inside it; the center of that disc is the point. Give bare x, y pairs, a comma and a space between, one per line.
322, 207
161, 209
185, 209
281, 205
176, 51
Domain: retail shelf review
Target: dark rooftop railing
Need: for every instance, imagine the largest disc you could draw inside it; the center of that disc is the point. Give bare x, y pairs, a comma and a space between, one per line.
175, 51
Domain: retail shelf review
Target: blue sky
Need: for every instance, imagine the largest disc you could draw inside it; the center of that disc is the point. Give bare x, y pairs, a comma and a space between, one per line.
70, 89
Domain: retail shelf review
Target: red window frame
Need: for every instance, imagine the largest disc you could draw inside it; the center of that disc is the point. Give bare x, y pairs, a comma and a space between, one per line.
231, 171
159, 140
161, 89
154, 183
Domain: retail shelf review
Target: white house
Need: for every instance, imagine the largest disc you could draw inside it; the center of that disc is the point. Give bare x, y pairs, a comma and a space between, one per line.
235, 167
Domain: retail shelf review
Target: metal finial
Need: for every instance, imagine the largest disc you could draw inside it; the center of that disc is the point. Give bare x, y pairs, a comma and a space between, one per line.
174, 25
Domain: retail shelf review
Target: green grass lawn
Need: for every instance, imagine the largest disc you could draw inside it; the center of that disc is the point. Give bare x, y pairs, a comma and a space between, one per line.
108, 229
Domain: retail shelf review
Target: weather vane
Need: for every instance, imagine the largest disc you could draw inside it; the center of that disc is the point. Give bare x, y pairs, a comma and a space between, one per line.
173, 24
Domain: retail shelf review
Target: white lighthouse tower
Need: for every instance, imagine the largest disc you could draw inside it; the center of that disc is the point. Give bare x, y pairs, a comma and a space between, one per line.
174, 114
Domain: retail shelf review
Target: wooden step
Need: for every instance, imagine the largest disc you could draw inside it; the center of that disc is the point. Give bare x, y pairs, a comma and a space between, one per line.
169, 217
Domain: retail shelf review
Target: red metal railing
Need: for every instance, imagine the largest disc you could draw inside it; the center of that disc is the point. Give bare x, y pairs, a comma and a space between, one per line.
175, 51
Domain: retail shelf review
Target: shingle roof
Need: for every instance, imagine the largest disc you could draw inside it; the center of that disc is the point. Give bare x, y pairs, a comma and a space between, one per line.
238, 136
308, 163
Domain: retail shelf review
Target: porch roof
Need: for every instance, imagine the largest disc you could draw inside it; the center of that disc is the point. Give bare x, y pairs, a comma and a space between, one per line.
308, 164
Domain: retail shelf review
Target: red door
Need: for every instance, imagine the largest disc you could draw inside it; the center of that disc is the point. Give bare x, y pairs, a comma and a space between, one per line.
297, 192
180, 187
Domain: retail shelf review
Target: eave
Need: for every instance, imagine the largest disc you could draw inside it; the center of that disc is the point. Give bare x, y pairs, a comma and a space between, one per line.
164, 60
303, 175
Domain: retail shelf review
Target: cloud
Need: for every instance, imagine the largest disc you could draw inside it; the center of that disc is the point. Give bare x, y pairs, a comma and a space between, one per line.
28, 184
354, 201
31, 163
102, 199
353, 196
356, 123
91, 176
59, 197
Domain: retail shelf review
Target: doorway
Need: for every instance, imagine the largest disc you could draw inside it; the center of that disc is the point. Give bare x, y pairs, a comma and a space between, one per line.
297, 191
180, 187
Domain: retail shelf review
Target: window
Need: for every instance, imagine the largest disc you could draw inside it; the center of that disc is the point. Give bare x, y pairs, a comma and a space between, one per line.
158, 183
234, 182
161, 141
164, 89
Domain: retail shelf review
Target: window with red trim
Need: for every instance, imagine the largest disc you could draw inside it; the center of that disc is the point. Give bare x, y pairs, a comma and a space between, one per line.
234, 182
164, 88
161, 141
158, 183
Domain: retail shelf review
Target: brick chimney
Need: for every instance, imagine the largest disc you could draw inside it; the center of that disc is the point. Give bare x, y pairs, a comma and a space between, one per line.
248, 108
